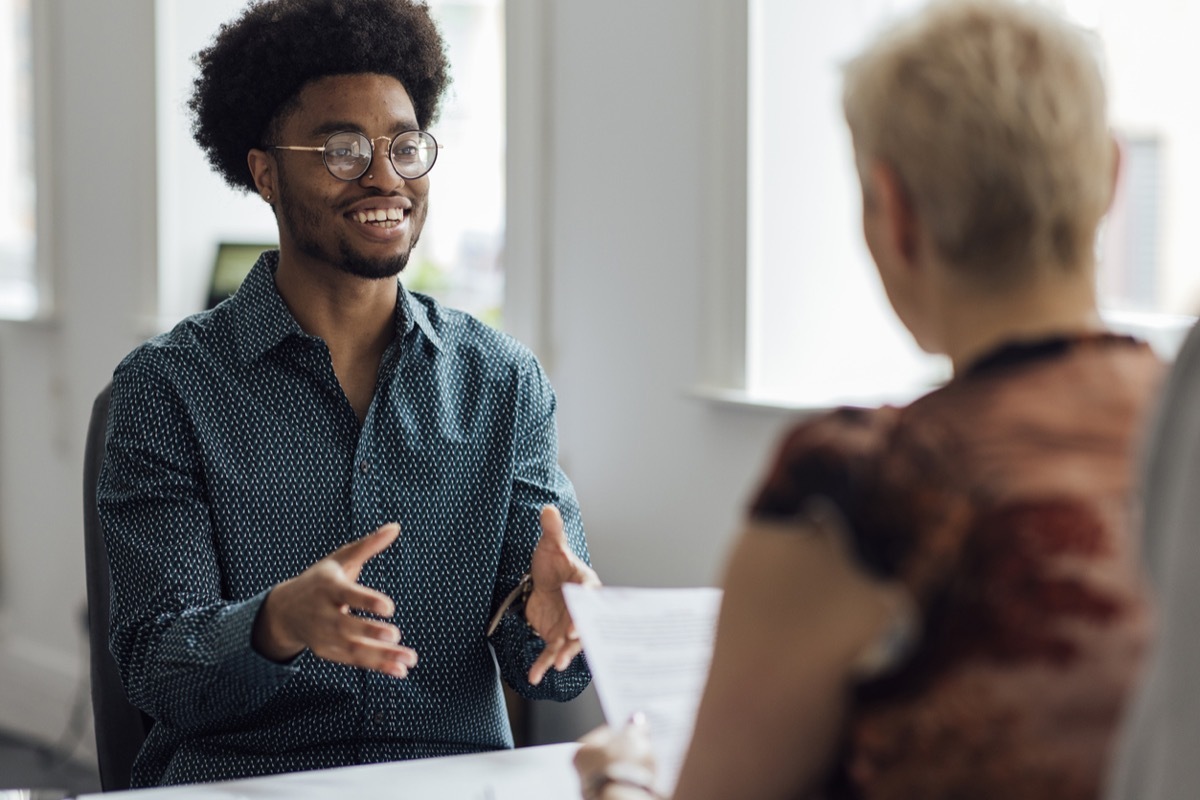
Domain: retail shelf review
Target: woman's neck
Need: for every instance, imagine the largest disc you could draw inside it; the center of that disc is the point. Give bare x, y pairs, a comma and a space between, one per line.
975, 322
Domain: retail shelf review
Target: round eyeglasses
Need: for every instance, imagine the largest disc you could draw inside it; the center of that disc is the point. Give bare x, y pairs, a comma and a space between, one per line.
348, 154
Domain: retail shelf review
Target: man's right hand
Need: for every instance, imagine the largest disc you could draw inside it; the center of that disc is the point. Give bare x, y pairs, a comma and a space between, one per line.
313, 610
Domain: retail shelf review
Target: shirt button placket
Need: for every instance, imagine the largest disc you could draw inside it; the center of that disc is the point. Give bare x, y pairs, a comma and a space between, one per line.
363, 491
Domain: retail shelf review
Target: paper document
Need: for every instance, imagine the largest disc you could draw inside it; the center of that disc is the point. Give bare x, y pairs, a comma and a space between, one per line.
649, 651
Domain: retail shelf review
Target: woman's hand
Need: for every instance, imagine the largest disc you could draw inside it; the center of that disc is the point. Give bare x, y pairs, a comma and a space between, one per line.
617, 765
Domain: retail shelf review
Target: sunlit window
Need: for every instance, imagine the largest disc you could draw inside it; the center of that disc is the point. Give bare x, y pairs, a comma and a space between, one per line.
459, 257
819, 327
18, 284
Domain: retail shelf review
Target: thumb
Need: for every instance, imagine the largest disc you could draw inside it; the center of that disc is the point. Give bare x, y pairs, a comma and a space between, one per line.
552, 528
360, 551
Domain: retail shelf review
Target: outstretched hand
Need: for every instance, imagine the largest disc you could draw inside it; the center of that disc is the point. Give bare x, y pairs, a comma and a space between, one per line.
314, 610
553, 565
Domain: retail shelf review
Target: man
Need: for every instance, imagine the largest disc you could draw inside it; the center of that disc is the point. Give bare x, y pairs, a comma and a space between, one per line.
322, 498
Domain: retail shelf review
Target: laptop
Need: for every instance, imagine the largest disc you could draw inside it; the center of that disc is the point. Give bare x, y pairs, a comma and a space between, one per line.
233, 262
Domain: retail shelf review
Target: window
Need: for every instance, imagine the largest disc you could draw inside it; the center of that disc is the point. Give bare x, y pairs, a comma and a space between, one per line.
819, 328
459, 256
19, 290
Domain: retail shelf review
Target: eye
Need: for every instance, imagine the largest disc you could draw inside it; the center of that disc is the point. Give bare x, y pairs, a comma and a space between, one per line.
346, 147
410, 147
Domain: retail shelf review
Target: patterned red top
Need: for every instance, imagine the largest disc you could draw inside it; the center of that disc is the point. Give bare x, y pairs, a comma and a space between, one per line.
1004, 502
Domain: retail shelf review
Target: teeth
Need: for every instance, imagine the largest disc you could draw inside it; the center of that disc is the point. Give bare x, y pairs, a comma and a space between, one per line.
383, 215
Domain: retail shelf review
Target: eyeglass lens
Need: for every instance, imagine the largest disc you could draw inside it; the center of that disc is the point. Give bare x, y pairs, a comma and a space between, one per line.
348, 154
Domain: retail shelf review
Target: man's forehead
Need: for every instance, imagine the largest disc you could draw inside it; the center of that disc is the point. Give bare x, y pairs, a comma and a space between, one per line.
356, 101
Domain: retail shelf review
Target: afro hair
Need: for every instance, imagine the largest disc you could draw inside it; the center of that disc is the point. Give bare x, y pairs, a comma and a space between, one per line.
256, 66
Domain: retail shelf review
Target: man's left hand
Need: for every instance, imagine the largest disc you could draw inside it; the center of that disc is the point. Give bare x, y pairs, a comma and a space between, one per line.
546, 610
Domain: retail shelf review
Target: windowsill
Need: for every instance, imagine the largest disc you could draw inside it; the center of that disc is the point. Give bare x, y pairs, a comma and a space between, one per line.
1164, 332
740, 398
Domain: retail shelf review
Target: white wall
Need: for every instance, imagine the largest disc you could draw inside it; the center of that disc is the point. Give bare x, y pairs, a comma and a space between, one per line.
101, 236
662, 476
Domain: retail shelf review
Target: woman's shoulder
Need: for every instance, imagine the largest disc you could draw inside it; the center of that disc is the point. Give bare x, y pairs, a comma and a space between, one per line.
838, 454
880, 467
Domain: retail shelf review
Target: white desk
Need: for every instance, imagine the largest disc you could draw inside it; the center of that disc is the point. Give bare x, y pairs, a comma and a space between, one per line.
531, 773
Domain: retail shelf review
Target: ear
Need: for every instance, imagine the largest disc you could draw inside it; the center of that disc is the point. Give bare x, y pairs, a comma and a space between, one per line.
1116, 175
262, 168
892, 202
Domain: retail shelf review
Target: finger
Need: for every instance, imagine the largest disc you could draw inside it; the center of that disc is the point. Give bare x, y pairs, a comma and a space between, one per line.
372, 654
566, 655
395, 661
596, 736
591, 759
354, 554
372, 629
542, 664
552, 528
364, 598
586, 575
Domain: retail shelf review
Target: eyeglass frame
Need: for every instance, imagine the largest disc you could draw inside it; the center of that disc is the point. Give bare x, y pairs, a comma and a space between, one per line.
371, 142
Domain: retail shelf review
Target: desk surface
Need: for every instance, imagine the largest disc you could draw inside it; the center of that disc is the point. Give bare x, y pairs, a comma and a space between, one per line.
530, 773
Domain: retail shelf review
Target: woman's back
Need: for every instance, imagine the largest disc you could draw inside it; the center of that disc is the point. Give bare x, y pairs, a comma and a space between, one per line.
1004, 504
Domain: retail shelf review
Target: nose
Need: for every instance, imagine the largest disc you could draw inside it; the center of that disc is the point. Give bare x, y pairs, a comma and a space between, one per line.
382, 173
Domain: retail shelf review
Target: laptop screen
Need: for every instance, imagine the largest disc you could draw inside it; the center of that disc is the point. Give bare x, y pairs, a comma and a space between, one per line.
233, 262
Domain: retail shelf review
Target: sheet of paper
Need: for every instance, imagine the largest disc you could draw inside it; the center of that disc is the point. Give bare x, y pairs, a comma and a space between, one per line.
649, 651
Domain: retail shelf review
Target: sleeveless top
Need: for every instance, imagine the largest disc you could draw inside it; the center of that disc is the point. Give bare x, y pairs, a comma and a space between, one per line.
1004, 503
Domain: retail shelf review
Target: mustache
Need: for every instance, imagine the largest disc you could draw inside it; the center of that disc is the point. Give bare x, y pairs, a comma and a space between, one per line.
369, 195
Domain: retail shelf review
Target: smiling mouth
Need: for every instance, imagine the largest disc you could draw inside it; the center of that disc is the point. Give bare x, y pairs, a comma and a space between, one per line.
380, 217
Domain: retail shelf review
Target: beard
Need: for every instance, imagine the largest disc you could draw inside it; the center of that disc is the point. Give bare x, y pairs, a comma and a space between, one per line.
303, 222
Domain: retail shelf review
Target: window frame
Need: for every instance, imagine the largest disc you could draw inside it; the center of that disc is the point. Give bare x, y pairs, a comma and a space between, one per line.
732, 240
41, 26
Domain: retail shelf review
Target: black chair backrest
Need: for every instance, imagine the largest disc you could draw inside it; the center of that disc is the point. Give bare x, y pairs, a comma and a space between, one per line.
120, 727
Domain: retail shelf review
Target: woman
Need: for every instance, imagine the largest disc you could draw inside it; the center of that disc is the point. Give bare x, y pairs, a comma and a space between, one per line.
944, 600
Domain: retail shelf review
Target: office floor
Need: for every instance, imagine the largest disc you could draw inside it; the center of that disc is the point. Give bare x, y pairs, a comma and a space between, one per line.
24, 765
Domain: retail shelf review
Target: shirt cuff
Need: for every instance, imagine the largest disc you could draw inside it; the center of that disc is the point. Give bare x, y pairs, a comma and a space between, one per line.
236, 654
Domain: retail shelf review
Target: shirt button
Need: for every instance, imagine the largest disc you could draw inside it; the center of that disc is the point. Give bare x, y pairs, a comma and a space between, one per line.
364, 466
378, 716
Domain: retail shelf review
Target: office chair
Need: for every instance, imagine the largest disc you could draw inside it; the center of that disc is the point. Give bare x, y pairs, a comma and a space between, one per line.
120, 727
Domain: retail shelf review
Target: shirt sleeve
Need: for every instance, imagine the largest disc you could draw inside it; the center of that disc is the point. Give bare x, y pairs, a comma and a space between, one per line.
537, 481
182, 648
891, 480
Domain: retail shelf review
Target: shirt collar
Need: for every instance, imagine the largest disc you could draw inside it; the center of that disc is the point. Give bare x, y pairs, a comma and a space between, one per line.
410, 311
262, 320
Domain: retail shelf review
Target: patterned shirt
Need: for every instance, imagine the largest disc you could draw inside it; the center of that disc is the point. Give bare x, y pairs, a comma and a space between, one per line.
1005, 504
234, 461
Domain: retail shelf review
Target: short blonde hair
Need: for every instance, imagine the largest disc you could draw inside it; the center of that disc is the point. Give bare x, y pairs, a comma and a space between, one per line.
993, 115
